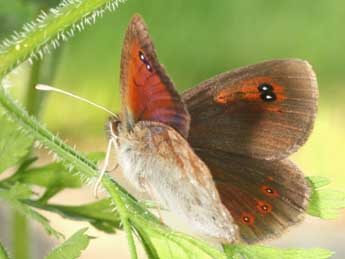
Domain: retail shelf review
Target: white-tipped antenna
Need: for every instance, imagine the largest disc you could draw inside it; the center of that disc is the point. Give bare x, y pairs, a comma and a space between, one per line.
50, 88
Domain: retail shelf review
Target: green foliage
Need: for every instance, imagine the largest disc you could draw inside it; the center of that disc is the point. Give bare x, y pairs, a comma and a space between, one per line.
53, 177
3, 253
47, 30
72, 247
13, 197
120, 210
324, 203
100, 214
13, 144
261, 252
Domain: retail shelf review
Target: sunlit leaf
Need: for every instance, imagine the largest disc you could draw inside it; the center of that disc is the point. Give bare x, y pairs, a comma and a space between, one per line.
172, 245
263, 252
146, 241
325, 203
72, 247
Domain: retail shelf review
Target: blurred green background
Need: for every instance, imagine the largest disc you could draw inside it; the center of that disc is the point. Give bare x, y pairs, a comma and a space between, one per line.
196, 40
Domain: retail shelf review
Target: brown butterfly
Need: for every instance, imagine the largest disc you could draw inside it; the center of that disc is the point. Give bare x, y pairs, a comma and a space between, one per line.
216, 156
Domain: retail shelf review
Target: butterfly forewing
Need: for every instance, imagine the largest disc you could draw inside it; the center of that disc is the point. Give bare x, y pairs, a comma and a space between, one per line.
264, 111
147, 92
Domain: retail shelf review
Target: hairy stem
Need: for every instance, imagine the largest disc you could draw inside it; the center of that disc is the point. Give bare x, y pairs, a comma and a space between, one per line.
124, 218
48, 30
20, 241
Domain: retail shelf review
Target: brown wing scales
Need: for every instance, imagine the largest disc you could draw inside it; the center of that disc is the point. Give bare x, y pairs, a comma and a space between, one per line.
265, 111
264, 197
147, 92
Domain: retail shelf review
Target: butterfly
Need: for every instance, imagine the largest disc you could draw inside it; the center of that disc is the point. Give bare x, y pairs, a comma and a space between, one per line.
216, 155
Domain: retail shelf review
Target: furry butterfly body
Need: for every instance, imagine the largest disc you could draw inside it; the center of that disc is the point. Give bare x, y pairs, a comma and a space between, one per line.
217, 155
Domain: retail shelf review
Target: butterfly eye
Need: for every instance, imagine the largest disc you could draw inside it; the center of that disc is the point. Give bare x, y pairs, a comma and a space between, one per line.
114, 127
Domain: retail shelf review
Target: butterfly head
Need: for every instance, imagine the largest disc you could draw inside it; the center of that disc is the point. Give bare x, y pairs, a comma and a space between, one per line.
114, 127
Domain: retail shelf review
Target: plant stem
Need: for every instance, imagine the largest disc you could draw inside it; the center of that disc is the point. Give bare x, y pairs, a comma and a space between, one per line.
32, 98
33, 102
50, 29
3, 252
20, 241
124, 218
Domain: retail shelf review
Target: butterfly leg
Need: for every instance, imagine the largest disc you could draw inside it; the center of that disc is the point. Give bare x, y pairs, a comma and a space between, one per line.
104, 168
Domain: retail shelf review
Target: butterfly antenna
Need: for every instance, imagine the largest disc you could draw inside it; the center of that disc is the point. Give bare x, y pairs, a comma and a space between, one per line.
104, 168
53, 89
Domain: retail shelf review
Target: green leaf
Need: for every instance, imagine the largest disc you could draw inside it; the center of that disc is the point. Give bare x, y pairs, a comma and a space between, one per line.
170, 244
146, 241
72, 247
14, 144
48, 176
324, 203
240, 251
54, 177
100, 214
3, 253
14, 196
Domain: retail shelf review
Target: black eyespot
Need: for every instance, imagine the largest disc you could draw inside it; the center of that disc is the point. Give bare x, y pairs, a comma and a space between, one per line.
268, 96
141, 56
144, 60
264, 87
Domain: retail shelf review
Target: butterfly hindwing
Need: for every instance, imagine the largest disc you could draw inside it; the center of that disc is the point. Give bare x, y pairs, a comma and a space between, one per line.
263, 111
147, 92
263, 197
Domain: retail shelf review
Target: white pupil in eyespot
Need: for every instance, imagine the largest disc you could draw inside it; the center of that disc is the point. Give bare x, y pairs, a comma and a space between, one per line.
142, 57
148, 66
